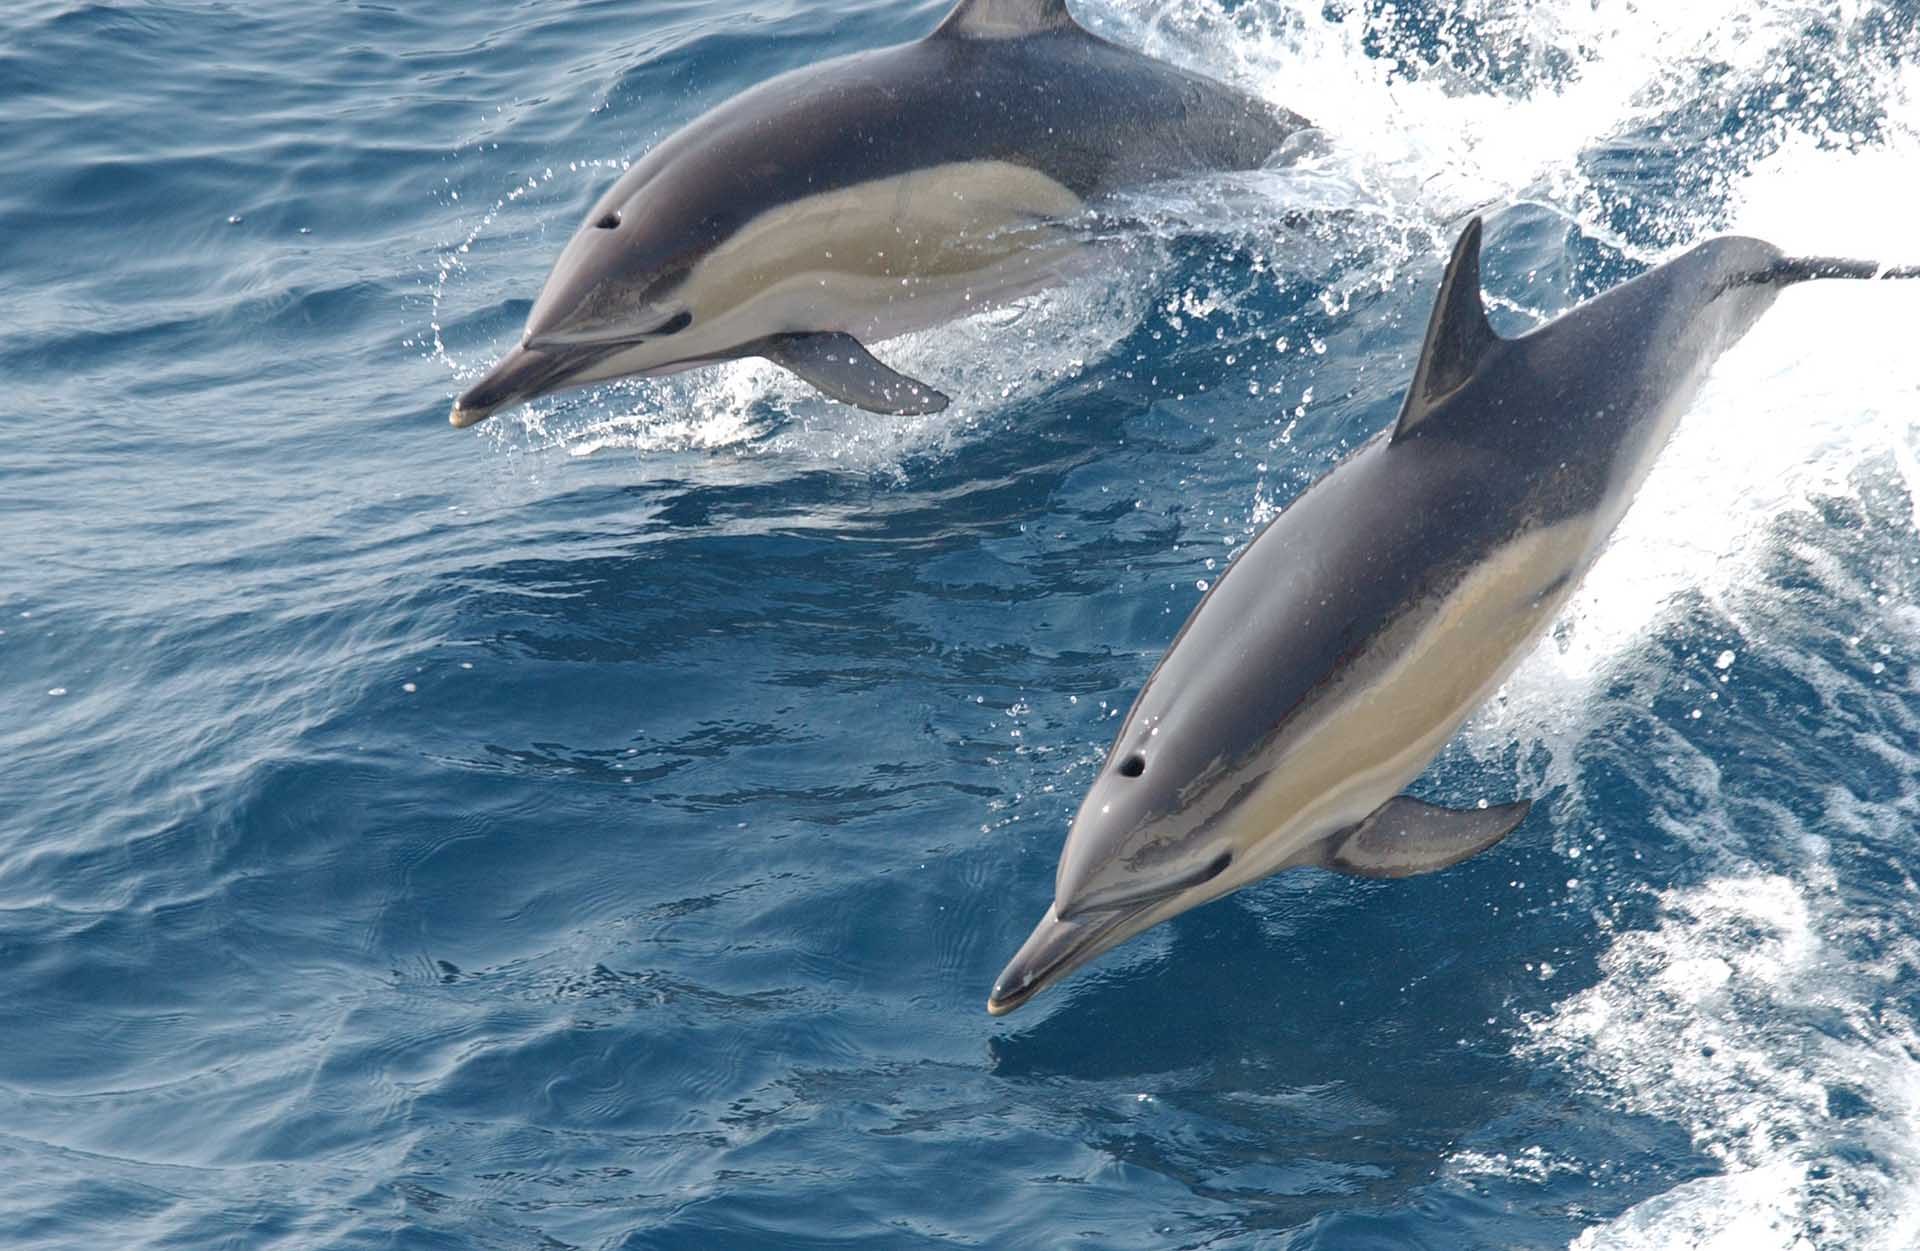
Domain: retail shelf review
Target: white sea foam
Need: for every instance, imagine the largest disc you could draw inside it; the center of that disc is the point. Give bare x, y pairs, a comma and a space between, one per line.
1732, 1018
1504, 103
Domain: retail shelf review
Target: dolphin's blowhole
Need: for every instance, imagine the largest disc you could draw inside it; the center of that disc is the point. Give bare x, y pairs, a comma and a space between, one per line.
1133, 766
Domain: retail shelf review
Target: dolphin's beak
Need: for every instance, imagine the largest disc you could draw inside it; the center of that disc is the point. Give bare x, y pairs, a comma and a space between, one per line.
1055, 949
521, 375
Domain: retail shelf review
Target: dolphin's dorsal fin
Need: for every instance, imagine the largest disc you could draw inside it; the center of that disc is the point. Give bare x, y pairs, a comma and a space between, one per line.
1458, 337
1004, 19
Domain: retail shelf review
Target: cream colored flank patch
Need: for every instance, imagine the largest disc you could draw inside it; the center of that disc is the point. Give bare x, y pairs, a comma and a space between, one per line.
1380, 732
885, 257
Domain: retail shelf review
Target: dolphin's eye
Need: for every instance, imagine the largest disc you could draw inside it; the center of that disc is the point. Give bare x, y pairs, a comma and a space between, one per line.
1133, 766
674, 324
609, 222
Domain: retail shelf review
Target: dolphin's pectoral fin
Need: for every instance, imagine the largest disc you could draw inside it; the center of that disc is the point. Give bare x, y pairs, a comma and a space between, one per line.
1404, 837
842, 368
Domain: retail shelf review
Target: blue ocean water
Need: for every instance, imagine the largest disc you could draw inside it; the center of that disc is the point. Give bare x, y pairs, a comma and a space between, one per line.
601, 829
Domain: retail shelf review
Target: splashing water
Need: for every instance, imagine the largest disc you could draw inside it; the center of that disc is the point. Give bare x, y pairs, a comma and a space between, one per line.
1605, 137
427, 839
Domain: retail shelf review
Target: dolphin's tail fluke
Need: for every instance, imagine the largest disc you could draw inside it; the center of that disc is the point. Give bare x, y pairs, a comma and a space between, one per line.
1791, 269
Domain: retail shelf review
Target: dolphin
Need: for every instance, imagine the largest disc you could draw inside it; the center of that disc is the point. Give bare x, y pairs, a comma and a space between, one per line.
867, 197
1349, 641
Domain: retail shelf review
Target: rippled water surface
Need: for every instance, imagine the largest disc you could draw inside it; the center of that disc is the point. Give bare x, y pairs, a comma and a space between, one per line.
601, 828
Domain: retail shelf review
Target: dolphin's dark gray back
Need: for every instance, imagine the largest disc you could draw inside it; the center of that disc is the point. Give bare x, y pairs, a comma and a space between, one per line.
1023, 84
1518, 435
1562, 410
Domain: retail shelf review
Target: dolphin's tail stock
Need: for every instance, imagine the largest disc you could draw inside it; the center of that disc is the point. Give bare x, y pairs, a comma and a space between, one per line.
1791, 269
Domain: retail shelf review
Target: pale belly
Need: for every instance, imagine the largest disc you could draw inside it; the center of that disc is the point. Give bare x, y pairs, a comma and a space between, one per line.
1377, 734
881, 259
